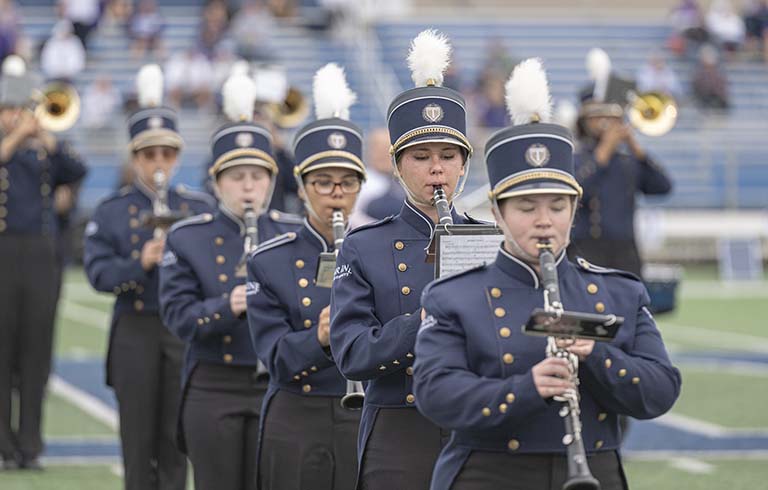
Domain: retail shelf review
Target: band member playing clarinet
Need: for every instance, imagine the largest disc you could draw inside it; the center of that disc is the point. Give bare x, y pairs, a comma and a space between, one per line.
202, 294
123, 247
499, 391
382, 269
308, 438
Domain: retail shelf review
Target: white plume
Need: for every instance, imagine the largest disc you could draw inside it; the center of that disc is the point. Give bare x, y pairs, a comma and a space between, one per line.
331, 92
239, 67
598, 64
527, 93
14, 66
149, 86
429, 57
239, 94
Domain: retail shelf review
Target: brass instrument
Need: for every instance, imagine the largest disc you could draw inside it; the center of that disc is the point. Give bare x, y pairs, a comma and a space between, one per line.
292, 111
579, 475
652, 113
57, 106
355, 396
251, 242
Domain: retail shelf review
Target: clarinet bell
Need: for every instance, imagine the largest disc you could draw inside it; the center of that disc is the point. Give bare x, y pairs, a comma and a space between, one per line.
582, 482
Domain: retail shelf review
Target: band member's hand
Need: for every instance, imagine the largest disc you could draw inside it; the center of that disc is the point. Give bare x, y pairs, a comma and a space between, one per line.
423, 314
581, 347
27, 125
552, 377
614, 134
152, 253
63, 200
634, 146
324, 327
237, 300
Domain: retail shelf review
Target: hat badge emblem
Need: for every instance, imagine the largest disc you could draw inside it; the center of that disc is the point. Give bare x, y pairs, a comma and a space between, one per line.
432, 113
155, 122
537, 155
337, 141
244, 140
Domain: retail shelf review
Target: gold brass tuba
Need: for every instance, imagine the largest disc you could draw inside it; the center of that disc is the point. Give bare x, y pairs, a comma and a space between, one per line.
292, 111
652, 113
58, 106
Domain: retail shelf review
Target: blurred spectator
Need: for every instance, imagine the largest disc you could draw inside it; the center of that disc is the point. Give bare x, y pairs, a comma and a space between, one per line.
145, 29
756, 23
221, 65
63, 55
282, 8
213, 26
725, 26
491, 105
251, 29
656, 75
687, 21
9, 28
381, 195
101, 101
84, 16
189, 76
710, 87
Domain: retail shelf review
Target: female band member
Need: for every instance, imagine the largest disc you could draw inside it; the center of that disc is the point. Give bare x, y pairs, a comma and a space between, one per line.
308, 439
381, 270
477, 374
202, 294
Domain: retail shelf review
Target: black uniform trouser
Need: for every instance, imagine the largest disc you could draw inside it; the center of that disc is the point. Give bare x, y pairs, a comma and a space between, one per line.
145, 371
401, 451
491, 471
28, 292
615, 254
220, 418
309, 443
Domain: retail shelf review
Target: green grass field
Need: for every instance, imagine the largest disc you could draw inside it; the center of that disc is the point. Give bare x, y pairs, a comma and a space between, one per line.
710, 318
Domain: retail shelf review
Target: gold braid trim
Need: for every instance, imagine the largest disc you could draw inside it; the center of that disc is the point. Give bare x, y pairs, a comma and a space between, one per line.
541, 174
299, 169
430, 130
245, 152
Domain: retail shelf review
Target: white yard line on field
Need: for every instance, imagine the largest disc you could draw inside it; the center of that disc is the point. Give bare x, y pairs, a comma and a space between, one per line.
691, 465
708, 429
720, 455
84, 315
714, 338
723, 289
85, 402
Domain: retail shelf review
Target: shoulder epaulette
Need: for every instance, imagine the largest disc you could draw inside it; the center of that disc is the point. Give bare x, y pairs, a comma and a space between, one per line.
274, 242
476, 221
451, 277
288, 218
192, 220
183, 191
371, 225
122, 192
587, 266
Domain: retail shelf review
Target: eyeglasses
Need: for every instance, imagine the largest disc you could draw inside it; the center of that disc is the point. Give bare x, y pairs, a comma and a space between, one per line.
325, 187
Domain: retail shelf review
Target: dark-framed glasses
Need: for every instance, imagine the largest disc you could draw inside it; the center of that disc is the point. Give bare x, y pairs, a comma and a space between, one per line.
325, 187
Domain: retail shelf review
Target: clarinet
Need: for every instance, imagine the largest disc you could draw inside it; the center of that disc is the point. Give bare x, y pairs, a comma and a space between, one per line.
355, 396
441, 205
160, 205
251, 242
579, 475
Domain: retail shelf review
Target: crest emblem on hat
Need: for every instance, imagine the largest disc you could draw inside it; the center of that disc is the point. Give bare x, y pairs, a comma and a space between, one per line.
244, 140
337, 141
155, 122
537, 155
432, 113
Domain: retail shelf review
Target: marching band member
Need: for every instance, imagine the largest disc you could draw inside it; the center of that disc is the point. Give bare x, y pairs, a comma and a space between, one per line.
612, 168
33, 166
308, 439
381, 270
475, 371
121, 256
202, 293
